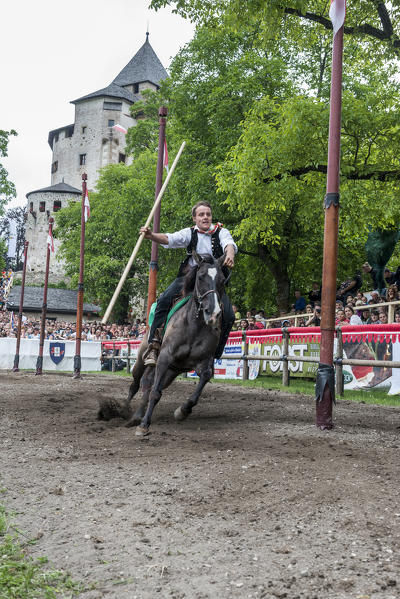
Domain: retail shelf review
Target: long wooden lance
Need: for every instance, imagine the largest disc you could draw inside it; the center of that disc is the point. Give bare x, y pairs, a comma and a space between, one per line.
141, 237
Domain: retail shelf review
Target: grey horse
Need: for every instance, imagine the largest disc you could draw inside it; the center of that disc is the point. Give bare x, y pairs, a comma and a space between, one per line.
189, 343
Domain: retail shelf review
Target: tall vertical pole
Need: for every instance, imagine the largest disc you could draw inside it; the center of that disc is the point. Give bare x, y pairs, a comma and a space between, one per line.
79, 308
152, 288
325, 386
39, 361
21, 307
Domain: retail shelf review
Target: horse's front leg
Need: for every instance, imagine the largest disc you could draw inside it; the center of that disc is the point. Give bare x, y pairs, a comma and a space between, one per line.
205, 375
161, 379
146, 385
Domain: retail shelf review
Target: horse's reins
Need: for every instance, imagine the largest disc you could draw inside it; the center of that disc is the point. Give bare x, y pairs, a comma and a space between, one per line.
199, 299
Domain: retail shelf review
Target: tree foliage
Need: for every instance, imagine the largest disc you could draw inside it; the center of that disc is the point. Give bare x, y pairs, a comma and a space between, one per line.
7, 188
17, 214
250, 95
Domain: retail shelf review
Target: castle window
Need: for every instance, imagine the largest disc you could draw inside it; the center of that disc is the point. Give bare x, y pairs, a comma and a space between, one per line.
82, 159
112, 105
121, 157
69, 131
136, 88
30, 206
57, 205
111, 123
56, 137
54, 167
83, 130
42, 207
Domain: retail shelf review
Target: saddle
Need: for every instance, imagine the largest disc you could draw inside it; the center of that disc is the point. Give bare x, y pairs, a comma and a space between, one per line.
172, 311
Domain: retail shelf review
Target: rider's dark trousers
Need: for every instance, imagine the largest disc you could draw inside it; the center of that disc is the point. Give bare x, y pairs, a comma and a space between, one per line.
164, 305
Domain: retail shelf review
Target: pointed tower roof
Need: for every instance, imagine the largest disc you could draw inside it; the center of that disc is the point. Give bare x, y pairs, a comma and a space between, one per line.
144, 66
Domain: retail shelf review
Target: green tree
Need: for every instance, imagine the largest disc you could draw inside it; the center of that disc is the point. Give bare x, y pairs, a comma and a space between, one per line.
121, 205
7, 189
17, 214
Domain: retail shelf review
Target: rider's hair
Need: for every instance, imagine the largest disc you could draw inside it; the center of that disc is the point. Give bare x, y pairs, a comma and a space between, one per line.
202, 203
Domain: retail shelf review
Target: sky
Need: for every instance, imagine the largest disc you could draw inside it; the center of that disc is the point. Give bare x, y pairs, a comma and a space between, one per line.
52, 52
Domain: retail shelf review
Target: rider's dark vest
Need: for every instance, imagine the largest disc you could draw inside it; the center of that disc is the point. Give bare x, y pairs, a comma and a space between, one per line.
216, 248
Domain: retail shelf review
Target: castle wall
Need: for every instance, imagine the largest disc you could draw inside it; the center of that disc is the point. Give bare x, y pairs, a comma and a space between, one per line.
40, 208
93, 142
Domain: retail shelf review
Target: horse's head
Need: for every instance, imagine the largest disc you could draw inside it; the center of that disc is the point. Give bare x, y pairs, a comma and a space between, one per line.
209, 286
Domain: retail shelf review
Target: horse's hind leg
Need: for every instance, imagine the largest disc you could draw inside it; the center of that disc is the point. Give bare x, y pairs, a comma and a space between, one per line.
185, 409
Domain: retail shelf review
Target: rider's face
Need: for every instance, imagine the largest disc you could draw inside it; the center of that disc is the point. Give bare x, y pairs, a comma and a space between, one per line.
203, 218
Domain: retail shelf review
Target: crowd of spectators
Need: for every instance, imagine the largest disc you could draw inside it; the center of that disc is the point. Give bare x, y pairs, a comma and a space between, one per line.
5, 286
59, 329
352, 307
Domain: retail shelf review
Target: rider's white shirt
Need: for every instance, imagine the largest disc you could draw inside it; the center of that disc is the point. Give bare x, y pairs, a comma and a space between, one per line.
181, 239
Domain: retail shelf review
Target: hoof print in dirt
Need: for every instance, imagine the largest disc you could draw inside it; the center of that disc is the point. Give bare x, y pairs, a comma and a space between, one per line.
111, 408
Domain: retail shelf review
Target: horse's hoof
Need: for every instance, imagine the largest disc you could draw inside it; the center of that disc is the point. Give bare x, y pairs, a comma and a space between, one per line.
134, 421
180, 415
141, 431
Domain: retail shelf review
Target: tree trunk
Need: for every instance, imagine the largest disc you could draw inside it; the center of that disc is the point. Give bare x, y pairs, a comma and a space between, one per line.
278, 267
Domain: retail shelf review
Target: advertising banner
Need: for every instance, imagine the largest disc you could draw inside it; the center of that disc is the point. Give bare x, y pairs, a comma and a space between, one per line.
366, 342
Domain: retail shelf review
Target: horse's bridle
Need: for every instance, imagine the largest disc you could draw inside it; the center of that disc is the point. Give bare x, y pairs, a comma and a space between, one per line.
199, 298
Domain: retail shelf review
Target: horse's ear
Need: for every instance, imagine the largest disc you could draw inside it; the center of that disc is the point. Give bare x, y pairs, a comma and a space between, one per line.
221, 260
196, 257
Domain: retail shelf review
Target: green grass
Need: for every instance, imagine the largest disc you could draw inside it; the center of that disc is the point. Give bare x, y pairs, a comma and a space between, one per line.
307, 387
22, 577
301, 386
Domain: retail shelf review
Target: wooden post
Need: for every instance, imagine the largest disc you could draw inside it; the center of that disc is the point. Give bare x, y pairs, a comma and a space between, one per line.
113, 358
39, 361
245, 375
79, 308
285, 357
325, 388
21, 307
391, 313
339, 365
152, 287
128, 358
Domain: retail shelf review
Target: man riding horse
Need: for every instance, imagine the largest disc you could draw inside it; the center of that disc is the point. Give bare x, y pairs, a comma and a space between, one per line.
206, 239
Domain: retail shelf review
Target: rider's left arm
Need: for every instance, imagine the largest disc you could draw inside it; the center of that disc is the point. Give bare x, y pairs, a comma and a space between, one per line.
229, 256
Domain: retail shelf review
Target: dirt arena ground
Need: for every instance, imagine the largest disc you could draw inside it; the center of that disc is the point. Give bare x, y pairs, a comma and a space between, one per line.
245, 499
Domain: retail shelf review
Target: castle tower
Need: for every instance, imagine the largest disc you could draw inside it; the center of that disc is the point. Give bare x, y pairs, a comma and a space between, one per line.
90, 142
85, 146
42, 204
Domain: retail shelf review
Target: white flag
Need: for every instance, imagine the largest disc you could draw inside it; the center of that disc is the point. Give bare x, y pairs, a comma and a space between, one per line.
12, 240
50, 240
87, 206
337, 13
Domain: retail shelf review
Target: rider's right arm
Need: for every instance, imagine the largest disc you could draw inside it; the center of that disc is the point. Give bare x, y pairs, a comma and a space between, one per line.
179, 239
156, 237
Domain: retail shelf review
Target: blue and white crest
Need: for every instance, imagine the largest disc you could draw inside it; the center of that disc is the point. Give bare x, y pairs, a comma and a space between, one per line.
57, 351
